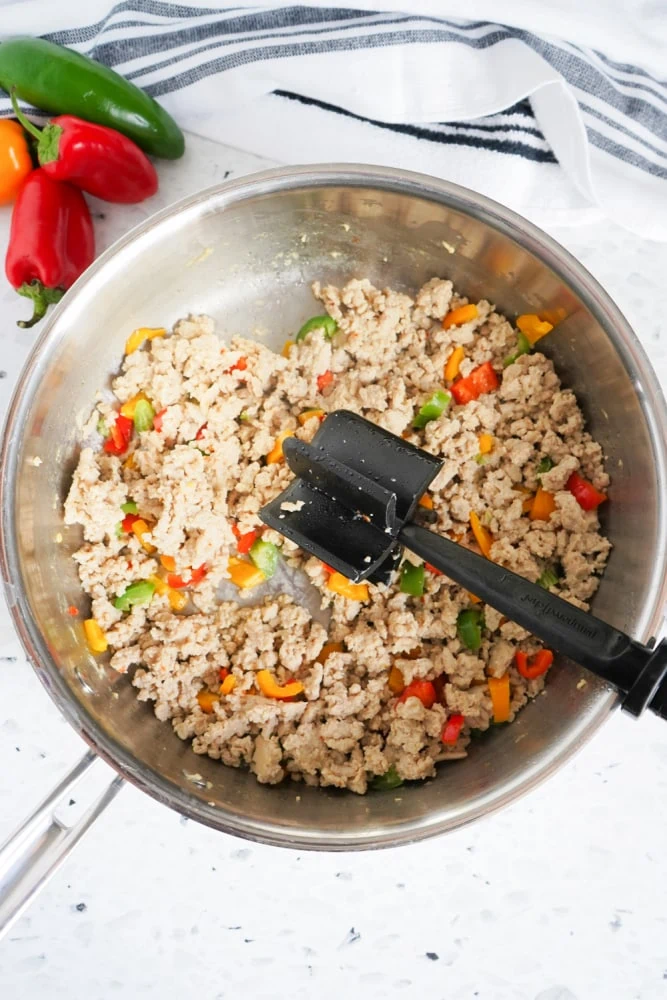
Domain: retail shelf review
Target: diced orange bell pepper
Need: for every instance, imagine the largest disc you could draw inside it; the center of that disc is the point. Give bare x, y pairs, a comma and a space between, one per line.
136, 339
207, 701
327, 649
527, 504
353, 591
543, 505
140, 528
533, 327
95, 637
269, 686
228, 684
426, 501
483, 537
243, 574
309, 414
276, 453
462, 314
454, 363
169, 563
286, 348
485, 444
395, 681
474, 598
499, 689
324, 380
540, 663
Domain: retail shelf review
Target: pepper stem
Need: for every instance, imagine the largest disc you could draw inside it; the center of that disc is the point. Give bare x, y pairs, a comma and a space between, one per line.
42, 297
25, 122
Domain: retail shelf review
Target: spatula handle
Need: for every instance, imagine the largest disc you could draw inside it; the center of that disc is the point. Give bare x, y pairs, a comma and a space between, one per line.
637, 672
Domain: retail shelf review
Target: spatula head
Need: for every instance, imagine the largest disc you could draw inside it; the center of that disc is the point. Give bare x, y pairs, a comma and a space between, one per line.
356, 485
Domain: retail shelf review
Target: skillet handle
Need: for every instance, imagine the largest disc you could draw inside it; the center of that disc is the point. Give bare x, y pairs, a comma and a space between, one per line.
639, 673
33, 853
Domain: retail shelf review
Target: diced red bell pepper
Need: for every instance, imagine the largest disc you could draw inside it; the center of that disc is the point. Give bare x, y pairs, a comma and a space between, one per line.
128, 521
452, 729
120, 434
530, 669
324, 380
240, 365
157, 419
586, 495
327, 569
245, 541
432, 569
200, 433
424, 690
223, 673
196, 576
480, 380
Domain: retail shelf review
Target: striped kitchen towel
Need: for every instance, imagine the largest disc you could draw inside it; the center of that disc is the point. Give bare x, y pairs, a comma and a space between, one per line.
562, 131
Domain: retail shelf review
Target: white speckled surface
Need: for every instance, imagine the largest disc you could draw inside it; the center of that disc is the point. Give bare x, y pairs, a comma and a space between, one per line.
560, 897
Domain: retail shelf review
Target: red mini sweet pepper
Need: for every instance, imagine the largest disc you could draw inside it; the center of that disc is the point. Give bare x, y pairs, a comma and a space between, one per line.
51, 241
95, 158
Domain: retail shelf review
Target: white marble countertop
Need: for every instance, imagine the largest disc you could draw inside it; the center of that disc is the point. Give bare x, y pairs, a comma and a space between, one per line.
559, 897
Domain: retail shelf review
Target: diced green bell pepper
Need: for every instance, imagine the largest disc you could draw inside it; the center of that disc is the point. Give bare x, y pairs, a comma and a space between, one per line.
545, 464
265, 556
523, 346
129, 508
385, 782
326, 323
412, 579
548, 578
469, 625
102, 428
140, 592
434, 407
143, 415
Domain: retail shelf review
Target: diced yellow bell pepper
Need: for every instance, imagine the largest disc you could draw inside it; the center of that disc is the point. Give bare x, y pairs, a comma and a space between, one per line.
286, 348
136, 339
140, 528
353, 591
454, 363
127, 409
95, 637
207, 701
485, 444
395, 681
276, 453
426, 501
533, 327
161, 586
243, 574
499, 689
177, 599
269, 686
308, 415
483, 537
462, 314
129, 462
327, 649
228, 684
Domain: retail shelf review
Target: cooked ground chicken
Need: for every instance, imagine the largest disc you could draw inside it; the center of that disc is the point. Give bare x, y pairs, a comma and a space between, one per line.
201, 479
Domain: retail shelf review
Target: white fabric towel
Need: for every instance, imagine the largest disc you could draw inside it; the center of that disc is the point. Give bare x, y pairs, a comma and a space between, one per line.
561, 131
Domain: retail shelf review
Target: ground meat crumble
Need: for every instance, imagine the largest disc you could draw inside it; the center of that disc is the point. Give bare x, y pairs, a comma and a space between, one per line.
204, 473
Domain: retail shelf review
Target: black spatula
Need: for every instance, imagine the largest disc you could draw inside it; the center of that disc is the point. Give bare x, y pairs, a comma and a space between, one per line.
351, 505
